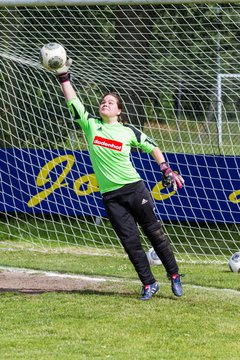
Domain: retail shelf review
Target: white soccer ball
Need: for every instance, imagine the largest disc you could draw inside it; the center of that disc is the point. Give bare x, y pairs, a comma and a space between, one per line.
53, 56
234, 262
153, 259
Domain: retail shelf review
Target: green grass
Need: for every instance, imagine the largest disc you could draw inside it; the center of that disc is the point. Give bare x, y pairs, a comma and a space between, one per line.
56, 231
118, 326
111, 323
203, 240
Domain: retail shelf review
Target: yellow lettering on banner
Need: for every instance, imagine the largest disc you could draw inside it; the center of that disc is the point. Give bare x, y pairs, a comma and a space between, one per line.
43, 178
90, 180
156, 192
233, 197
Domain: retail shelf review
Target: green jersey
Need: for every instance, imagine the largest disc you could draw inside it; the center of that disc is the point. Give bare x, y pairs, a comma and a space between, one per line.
109, 148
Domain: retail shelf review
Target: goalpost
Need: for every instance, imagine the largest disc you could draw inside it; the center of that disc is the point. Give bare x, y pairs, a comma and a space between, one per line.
235, 93
173, 65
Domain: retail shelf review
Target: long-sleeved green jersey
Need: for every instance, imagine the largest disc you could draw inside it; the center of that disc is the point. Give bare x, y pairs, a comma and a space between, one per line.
109, 148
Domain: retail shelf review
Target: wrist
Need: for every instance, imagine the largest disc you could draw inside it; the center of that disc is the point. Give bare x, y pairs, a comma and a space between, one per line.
63, 77
164, 166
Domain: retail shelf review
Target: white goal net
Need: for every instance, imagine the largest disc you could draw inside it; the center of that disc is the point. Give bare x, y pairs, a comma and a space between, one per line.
164, 60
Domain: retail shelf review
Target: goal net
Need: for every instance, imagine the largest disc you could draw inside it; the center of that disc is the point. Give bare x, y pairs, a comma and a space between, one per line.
164, 60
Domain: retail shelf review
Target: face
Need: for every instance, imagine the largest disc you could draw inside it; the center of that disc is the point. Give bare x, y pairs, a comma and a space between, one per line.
109, 107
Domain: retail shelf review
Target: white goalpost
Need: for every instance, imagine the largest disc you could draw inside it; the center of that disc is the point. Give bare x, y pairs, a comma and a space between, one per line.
176, 67
220, 102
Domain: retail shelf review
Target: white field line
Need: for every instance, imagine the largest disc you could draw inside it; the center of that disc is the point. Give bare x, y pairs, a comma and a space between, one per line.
56, 274
105, 279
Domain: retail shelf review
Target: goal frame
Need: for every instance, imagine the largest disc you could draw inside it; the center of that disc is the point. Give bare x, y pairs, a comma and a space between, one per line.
37, 3
220, 78
189, 130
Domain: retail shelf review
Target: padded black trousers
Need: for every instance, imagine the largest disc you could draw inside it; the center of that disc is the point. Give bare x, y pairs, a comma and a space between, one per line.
128, 207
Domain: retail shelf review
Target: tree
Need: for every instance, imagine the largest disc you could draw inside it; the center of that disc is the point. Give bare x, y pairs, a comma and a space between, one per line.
133, 26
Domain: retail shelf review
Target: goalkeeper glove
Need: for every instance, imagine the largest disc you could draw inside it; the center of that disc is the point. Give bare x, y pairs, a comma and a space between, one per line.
170, 178
63, 72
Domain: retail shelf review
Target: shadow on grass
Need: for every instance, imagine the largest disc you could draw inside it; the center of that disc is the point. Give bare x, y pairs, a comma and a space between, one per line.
124, 294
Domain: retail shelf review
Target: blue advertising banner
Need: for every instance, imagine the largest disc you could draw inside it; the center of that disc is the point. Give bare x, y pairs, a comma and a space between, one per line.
63, 182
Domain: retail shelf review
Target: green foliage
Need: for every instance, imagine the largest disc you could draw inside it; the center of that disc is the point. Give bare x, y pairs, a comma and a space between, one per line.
172, 75
191, 137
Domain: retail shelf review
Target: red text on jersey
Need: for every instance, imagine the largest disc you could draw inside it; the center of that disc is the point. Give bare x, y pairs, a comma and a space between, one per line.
107, 143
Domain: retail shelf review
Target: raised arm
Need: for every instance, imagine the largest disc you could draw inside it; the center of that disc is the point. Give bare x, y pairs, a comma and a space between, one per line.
74, 104
68, 90
64, 79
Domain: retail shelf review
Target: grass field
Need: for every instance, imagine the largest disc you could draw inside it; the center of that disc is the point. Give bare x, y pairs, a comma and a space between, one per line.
109, 322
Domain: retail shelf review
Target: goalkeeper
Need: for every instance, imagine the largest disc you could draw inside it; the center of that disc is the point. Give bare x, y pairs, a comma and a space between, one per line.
126, 199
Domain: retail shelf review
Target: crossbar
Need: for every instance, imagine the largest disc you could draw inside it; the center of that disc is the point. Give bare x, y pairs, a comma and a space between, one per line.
39, 3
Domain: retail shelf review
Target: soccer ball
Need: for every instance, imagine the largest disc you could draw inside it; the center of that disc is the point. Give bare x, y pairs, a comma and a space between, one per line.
234, 262
53, 56
153, 259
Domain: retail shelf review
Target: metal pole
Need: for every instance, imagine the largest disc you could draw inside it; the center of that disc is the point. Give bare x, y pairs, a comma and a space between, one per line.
219, 80
219, 102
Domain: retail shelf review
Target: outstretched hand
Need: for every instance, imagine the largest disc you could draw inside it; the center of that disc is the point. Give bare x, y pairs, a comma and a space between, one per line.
170, 178
65, 68
63, 72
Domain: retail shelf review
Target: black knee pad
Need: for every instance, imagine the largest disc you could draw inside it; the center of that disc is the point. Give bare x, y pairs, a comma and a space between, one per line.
155, 233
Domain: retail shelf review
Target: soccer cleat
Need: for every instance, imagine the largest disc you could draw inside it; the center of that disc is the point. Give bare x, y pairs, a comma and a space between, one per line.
149, 290
176, 284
